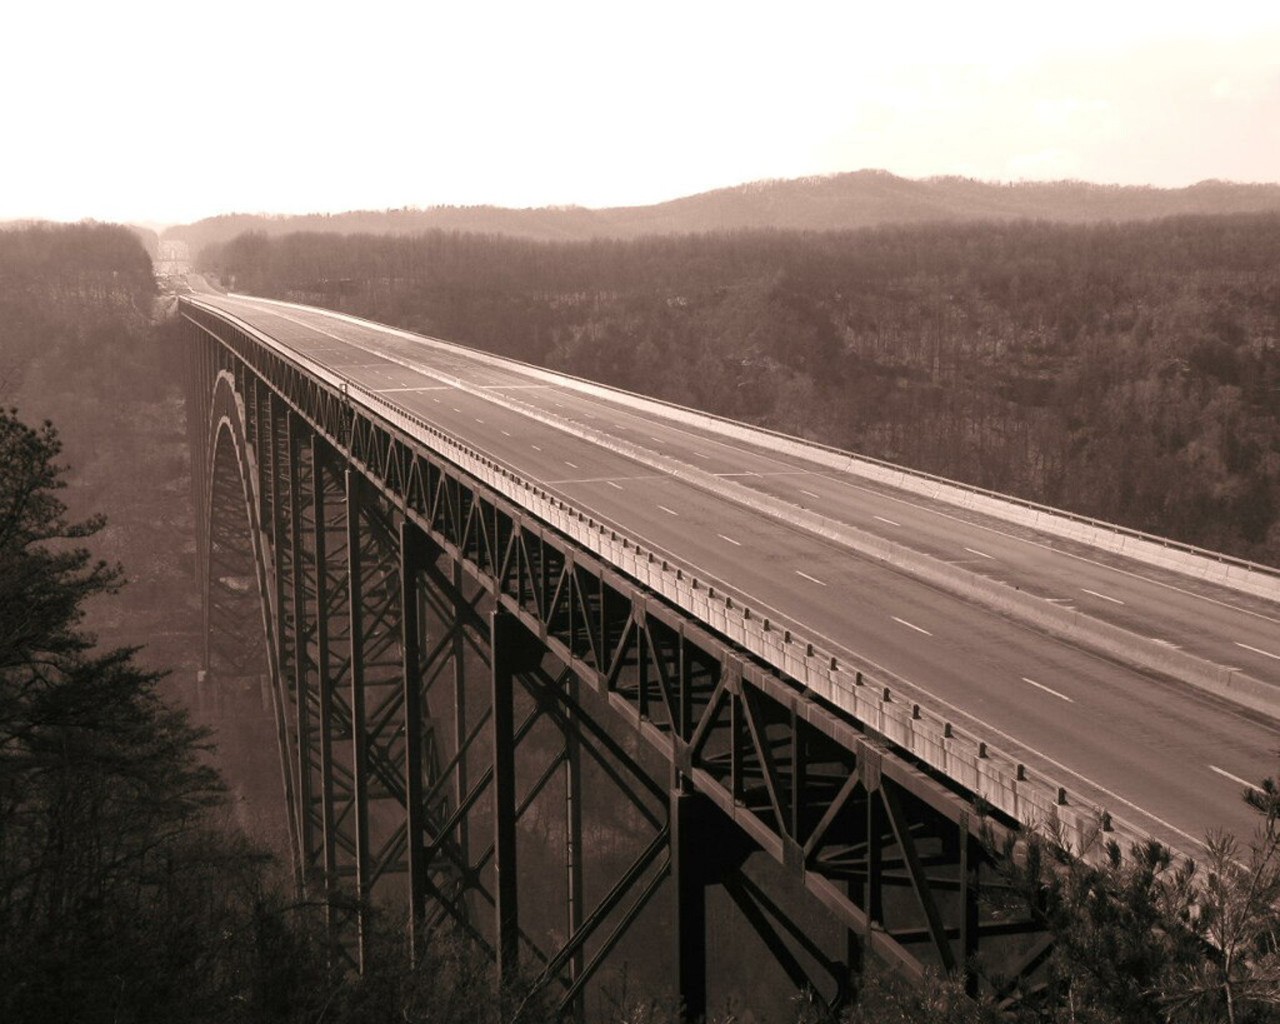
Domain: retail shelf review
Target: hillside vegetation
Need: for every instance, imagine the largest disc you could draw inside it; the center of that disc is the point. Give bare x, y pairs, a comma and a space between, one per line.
78, 346
837, 202
1125, 371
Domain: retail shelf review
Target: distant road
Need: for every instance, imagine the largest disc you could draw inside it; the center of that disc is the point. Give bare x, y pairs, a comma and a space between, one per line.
1170, 759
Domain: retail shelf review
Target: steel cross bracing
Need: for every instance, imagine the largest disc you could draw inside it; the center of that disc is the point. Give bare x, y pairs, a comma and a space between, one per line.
490, 658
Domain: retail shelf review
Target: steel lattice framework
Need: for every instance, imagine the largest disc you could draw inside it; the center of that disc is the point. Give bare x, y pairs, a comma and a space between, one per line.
445, 667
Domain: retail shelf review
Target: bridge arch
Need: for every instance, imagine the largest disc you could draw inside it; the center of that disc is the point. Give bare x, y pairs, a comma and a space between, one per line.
237, 564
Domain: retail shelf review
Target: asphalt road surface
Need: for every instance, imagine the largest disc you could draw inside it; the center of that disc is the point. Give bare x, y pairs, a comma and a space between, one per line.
1162, 755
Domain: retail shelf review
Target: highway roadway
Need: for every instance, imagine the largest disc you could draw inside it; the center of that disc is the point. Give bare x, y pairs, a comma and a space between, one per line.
1166, 757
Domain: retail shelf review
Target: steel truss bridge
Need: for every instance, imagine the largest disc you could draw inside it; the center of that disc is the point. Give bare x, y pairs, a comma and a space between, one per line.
497, 717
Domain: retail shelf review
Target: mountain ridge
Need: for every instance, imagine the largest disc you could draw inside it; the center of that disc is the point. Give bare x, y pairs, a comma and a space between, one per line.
846, 201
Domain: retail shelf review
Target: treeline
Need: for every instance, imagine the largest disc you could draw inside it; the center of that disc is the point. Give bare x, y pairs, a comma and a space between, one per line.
860, 199
1125, 371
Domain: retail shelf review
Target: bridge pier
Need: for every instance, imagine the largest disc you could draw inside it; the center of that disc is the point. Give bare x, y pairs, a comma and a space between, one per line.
514, 652
705, 849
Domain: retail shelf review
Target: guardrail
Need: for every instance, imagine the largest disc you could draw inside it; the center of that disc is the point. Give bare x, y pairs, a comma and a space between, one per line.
867, 693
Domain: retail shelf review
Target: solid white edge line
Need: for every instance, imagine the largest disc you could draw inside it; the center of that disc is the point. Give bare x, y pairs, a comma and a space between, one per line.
1049, 689
1233, 778
1257, 650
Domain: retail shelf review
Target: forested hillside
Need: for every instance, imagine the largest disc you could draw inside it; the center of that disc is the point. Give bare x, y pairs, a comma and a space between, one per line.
1125, 371
859, 199
78, 346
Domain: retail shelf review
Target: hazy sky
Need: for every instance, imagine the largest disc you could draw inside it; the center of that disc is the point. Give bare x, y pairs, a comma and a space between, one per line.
171, 111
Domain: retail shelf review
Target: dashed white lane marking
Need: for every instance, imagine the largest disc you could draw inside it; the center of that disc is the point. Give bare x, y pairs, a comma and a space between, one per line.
1105, 597
535, 447
980, 554
571, 465
699, 455
735, 543
436, 400
810, 493
456, 409
1258, 650
668, 511
1048, 689
658, 439
1233, 778
884, 520
910, 625
1165, 643
506, 433
811, 579
612, 484
479, 420
387, 391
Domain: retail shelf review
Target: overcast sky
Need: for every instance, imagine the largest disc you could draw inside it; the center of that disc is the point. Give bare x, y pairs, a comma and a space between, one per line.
167, 112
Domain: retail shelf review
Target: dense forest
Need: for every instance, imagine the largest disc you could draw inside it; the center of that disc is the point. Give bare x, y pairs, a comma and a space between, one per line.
858, 199
1125, 371
78, 345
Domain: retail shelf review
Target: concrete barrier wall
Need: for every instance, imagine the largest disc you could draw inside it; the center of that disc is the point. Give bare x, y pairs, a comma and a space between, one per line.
864, 691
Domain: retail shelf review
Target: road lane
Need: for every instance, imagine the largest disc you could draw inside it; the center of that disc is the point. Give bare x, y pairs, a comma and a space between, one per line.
1122, 736
1223, 627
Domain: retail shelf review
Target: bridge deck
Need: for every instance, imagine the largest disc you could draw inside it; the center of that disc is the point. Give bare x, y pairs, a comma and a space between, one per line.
1158, 753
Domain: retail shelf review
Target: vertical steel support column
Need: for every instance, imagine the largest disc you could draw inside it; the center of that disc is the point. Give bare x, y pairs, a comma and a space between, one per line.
573, 839
513, 650
301, 685
460, 775
324, 668
873, 887
359, 734
969, 866
412, 560
687, 816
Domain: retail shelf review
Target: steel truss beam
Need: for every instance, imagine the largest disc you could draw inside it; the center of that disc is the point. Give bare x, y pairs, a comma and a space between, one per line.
477, 627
